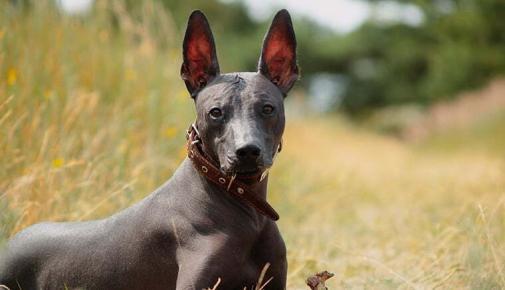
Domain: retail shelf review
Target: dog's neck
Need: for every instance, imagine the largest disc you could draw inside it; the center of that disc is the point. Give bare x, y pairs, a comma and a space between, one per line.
259, 187
187, 176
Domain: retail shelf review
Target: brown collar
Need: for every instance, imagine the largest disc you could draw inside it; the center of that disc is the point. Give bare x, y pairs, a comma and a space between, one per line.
234, 186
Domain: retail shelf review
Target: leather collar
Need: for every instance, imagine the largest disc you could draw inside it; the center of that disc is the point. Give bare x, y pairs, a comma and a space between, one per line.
236, 187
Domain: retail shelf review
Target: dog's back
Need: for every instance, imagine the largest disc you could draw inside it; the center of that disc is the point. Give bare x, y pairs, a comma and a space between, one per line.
114, 253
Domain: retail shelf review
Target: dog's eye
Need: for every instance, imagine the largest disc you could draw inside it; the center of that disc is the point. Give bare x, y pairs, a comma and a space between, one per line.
216, 113
268, 109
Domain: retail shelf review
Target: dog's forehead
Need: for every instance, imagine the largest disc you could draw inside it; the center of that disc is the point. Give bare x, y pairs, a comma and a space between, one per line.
248, 85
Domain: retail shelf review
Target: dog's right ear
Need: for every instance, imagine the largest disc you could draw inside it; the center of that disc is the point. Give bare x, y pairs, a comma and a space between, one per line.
200, 64
278, 55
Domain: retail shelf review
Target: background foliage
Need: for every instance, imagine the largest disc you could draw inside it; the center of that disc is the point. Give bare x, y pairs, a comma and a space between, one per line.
458, 46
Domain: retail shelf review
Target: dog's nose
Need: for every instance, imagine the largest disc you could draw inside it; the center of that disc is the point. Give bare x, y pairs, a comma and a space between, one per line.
248, 152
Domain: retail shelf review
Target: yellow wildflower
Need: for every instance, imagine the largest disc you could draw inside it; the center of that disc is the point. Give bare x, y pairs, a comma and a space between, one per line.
170, 132
58, 162
11, 77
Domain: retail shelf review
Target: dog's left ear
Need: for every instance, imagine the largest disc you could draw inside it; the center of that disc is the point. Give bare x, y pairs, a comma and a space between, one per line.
278, 56
200, 64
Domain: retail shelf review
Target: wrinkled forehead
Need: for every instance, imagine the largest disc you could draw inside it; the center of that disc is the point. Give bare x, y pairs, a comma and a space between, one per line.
245, 86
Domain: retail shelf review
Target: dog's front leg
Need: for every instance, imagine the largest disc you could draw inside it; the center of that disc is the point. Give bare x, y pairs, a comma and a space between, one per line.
196, 275
271, 249
206, 259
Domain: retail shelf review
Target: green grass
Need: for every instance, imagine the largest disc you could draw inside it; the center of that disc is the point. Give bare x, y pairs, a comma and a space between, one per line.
92, 119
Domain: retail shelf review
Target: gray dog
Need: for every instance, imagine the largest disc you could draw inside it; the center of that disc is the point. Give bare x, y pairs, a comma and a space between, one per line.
211, 219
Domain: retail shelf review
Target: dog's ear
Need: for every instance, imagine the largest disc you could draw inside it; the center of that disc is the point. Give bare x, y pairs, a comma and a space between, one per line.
278, 56
200, 64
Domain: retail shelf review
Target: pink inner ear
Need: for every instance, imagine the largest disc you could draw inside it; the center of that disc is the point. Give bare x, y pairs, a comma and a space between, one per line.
199, 53
278, 58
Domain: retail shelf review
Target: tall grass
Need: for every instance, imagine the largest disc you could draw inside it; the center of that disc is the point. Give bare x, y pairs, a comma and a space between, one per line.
92, 118
92, 111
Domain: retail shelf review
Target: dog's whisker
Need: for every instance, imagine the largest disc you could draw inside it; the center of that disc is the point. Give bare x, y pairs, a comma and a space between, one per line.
264, 174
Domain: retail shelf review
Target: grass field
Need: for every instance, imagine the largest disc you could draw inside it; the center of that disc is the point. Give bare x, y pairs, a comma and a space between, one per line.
91, 124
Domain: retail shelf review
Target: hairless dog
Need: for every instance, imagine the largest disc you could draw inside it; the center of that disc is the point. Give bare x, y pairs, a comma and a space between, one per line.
210, 220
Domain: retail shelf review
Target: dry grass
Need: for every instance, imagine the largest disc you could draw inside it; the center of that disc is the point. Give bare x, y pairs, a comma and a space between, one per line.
383, 215
92, 116
92, 119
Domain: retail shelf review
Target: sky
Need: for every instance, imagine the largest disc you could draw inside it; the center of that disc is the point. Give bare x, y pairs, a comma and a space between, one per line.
340, 15
75, 6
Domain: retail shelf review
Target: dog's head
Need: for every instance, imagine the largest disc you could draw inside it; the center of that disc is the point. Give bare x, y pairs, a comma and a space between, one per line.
240, 116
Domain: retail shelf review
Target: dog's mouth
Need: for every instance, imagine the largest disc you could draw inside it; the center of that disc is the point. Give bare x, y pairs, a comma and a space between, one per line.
249, 172
247, 169
244, 171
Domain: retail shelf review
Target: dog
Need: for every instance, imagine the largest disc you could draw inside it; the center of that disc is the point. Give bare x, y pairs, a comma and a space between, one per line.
210, 220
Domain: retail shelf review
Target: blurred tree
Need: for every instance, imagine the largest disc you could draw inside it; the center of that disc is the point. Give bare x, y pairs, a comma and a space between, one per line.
460, 45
